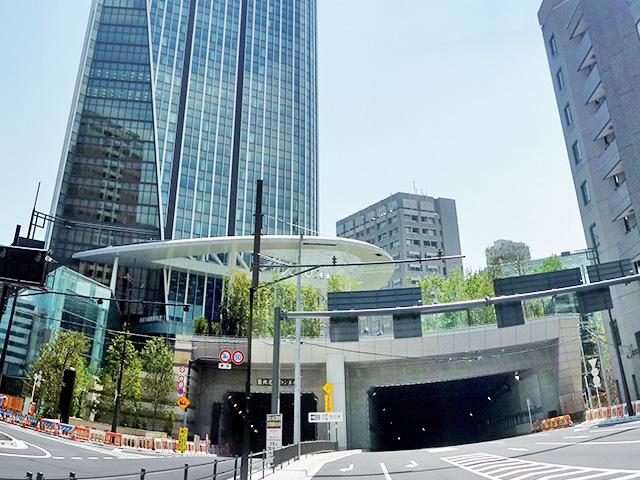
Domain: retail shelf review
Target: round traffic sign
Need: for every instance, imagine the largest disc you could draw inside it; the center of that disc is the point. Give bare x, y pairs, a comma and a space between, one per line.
238, 357
225, 356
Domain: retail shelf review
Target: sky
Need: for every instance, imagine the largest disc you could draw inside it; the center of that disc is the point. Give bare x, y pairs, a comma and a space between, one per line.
449, 99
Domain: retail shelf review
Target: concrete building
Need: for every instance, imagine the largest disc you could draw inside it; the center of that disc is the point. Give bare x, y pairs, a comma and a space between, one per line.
167, 137
409, 226
593, 48
394, 394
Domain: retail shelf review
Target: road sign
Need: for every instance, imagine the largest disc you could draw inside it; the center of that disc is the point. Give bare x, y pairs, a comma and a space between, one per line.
225, 356
183, 402
328, 403
224, 366
238, 357
274, 431
328, 388
325, 417
182, 439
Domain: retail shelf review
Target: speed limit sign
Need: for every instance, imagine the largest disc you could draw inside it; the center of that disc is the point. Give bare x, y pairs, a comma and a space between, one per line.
238, 357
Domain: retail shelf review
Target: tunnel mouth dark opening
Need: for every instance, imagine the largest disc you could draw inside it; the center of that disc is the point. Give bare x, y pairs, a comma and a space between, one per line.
438, 414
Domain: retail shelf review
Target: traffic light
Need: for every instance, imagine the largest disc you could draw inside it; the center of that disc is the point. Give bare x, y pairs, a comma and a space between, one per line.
23, 266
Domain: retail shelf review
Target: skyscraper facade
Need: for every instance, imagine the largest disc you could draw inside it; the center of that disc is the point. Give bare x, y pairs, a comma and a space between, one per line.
409, 226
593, 49
180, 106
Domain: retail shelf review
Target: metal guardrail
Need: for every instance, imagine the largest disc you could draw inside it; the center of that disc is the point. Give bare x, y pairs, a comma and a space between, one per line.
258, 462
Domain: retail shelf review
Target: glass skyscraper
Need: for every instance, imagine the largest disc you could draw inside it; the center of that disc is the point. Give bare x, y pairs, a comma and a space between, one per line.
154, 131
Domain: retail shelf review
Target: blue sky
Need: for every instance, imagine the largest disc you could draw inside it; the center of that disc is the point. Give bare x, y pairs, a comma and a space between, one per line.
452, 99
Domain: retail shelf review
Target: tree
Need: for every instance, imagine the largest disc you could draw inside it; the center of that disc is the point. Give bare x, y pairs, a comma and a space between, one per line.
200, 326
512, 256
284, 296
460, 286
83, 379
66, 350
108, 379
340, 283
157, 363
551, 264
234, 309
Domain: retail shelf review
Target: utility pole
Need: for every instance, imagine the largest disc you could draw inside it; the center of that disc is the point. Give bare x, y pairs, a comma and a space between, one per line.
298, 368
255, 282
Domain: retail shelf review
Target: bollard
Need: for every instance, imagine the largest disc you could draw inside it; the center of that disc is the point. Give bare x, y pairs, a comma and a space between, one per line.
186, 471
235, 469
72, 476
40, 476
215, 469
264, 462
143, 472
29, 476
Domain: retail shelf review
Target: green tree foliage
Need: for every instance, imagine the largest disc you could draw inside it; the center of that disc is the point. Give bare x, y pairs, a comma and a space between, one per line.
201, 326
234, 310
551, 264
66, 350
340, 283
157, 363
108, 379
460, 286
513, 257
84, 375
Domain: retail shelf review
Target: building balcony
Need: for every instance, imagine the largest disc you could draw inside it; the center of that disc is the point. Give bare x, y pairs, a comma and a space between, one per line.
610, 160
578, 24
585, 53
601, 125
619, 201
593, 88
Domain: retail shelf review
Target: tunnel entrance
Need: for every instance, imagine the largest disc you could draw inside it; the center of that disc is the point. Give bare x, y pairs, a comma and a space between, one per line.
441, 413
231, 419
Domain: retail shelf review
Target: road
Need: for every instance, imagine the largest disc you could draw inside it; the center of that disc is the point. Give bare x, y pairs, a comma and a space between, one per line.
55, 457
576, 453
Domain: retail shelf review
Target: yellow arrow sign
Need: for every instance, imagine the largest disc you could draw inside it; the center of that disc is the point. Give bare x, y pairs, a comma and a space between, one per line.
183, 402
328, 388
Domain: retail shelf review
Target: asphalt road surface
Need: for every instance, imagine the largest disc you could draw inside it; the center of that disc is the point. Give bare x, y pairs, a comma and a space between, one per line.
55, 457
576, 453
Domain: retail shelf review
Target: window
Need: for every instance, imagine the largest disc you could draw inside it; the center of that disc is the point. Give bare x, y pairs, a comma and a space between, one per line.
629, 221
567, 115
618, 179
584, 189
553, 46
575, 149
560, 79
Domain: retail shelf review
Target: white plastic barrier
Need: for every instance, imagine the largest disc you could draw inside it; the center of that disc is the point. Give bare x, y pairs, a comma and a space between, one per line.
157, 444
130, 441
97, 436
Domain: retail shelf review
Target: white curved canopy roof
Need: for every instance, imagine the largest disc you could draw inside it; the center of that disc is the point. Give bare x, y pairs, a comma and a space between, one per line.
223, 253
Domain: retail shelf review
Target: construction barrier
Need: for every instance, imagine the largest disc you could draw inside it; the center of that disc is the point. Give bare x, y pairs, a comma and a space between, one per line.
130, 441
114, 439
191, 449
145, 443
157, 444
49, 426
67, 431
97, 436
547, 424
82, 433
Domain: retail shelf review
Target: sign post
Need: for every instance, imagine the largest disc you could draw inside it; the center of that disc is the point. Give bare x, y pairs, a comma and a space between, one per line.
182, 439
274, 431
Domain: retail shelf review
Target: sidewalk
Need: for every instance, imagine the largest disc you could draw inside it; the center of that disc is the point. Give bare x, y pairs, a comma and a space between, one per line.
307, 466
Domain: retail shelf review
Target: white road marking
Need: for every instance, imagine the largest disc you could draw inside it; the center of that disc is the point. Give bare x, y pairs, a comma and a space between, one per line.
76, 458
93, 458
595, 442
385, 471
578, 436
58, 458
518, 449
413, 464
348, 469
47, 454
441, 449
494, 467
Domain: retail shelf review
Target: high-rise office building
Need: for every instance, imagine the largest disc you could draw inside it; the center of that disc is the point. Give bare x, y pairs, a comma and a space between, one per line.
593, 48
180, 106
409, 226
